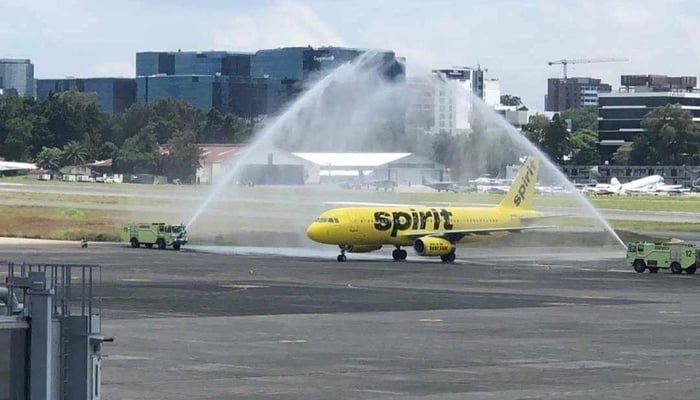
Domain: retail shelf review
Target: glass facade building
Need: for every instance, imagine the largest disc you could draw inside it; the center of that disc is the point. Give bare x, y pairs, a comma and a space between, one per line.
193, 63
291, 70
249, 85
202, 91
620, 114
114, 95
17, 77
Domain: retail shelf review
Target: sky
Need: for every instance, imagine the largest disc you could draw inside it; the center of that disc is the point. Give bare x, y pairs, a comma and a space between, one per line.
512, 39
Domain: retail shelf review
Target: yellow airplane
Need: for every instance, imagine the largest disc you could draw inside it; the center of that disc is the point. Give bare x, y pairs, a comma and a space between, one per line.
432, 231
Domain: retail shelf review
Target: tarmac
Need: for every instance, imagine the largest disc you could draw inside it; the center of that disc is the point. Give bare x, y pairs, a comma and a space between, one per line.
501, 323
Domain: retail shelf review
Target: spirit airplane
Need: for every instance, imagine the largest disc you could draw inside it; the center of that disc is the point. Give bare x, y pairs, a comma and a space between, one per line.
432, 231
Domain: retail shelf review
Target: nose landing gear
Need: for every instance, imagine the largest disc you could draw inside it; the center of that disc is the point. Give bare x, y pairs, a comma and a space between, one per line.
341, 257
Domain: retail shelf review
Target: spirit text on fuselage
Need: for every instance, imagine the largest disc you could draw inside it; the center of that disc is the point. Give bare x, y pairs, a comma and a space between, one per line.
415, 219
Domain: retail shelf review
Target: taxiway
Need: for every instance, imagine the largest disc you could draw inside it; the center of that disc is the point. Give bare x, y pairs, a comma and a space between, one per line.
502, 323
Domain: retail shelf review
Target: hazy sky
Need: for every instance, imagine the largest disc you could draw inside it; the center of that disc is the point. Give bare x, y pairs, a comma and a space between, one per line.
513, 39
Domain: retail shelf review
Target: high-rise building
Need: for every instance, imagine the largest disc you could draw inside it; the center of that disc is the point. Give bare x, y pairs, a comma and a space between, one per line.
620, 114
420, 108
193, 63
113, 95
202, 91
568, 93
291, 70
250, 85
453, 90
492, 92
209, 80
17, 77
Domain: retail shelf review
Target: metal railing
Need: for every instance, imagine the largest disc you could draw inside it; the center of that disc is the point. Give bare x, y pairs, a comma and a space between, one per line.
71, 284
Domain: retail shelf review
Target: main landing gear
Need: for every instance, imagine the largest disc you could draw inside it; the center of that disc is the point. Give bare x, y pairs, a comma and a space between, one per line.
448, 258
399, 254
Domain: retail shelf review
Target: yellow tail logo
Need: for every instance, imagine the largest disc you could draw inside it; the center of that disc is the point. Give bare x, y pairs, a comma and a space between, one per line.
522, 192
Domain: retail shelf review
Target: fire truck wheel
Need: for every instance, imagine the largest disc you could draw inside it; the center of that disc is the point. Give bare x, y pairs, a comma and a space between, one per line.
639, 266
676, 267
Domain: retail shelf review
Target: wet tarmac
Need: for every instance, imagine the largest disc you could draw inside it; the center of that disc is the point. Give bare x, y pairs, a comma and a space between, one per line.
501, 323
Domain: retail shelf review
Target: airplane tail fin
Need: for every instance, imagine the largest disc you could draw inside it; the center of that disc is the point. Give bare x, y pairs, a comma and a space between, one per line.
522, 192
614, 181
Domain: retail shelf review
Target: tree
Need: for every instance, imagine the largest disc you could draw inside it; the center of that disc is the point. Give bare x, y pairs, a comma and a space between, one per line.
585, 117
138, 154
622, 154
69, 115
556, 140
74, 153
670, 137
584, 147
16, 146
50, 158
182, 157
550, 136
535, 130
510, 100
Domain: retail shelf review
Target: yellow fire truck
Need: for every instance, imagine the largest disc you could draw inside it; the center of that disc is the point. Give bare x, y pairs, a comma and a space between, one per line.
158, 234
677, 257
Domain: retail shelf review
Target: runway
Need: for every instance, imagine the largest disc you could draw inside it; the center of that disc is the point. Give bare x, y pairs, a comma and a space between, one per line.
501, 323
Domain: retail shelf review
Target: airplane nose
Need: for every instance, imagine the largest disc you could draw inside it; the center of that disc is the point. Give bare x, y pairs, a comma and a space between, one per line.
313, 232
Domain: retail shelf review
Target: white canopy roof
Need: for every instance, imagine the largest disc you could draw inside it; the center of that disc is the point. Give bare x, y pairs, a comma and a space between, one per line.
340, 160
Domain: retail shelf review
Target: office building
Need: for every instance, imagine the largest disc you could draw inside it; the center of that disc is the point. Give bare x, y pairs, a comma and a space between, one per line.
566, 93
291, 70
620, 114
193, 63
454, 88
250, 85
420, 108
113, 95
657, 83
202, 91
492, 92
17, 77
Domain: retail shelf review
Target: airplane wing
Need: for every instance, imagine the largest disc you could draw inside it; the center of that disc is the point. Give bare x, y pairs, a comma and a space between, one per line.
457, 234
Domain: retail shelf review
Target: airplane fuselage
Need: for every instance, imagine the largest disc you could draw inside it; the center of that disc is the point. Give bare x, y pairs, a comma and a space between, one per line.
385, 225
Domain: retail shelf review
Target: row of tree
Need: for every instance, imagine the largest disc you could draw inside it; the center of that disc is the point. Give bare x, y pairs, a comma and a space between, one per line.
160, 137
67, 128
669, 137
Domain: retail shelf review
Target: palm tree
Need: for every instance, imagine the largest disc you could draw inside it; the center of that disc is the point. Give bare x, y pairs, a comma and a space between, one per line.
74, 153
49, 158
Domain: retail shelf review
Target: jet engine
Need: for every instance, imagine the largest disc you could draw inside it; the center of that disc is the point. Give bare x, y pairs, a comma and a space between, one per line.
433, 246
362, 249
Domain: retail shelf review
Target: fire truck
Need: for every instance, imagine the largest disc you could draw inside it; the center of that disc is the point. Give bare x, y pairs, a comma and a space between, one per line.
159, 234
677, 257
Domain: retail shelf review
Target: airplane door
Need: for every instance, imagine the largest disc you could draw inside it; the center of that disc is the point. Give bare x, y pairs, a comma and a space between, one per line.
354, 225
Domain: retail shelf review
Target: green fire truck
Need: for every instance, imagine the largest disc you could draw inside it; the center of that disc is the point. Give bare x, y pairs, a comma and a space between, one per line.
159, 234
677, 257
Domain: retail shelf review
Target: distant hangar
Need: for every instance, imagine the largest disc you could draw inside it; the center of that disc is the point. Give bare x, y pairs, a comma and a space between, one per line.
280, 167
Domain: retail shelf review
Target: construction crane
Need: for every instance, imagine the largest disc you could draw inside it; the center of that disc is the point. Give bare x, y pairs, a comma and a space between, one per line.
584, 61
